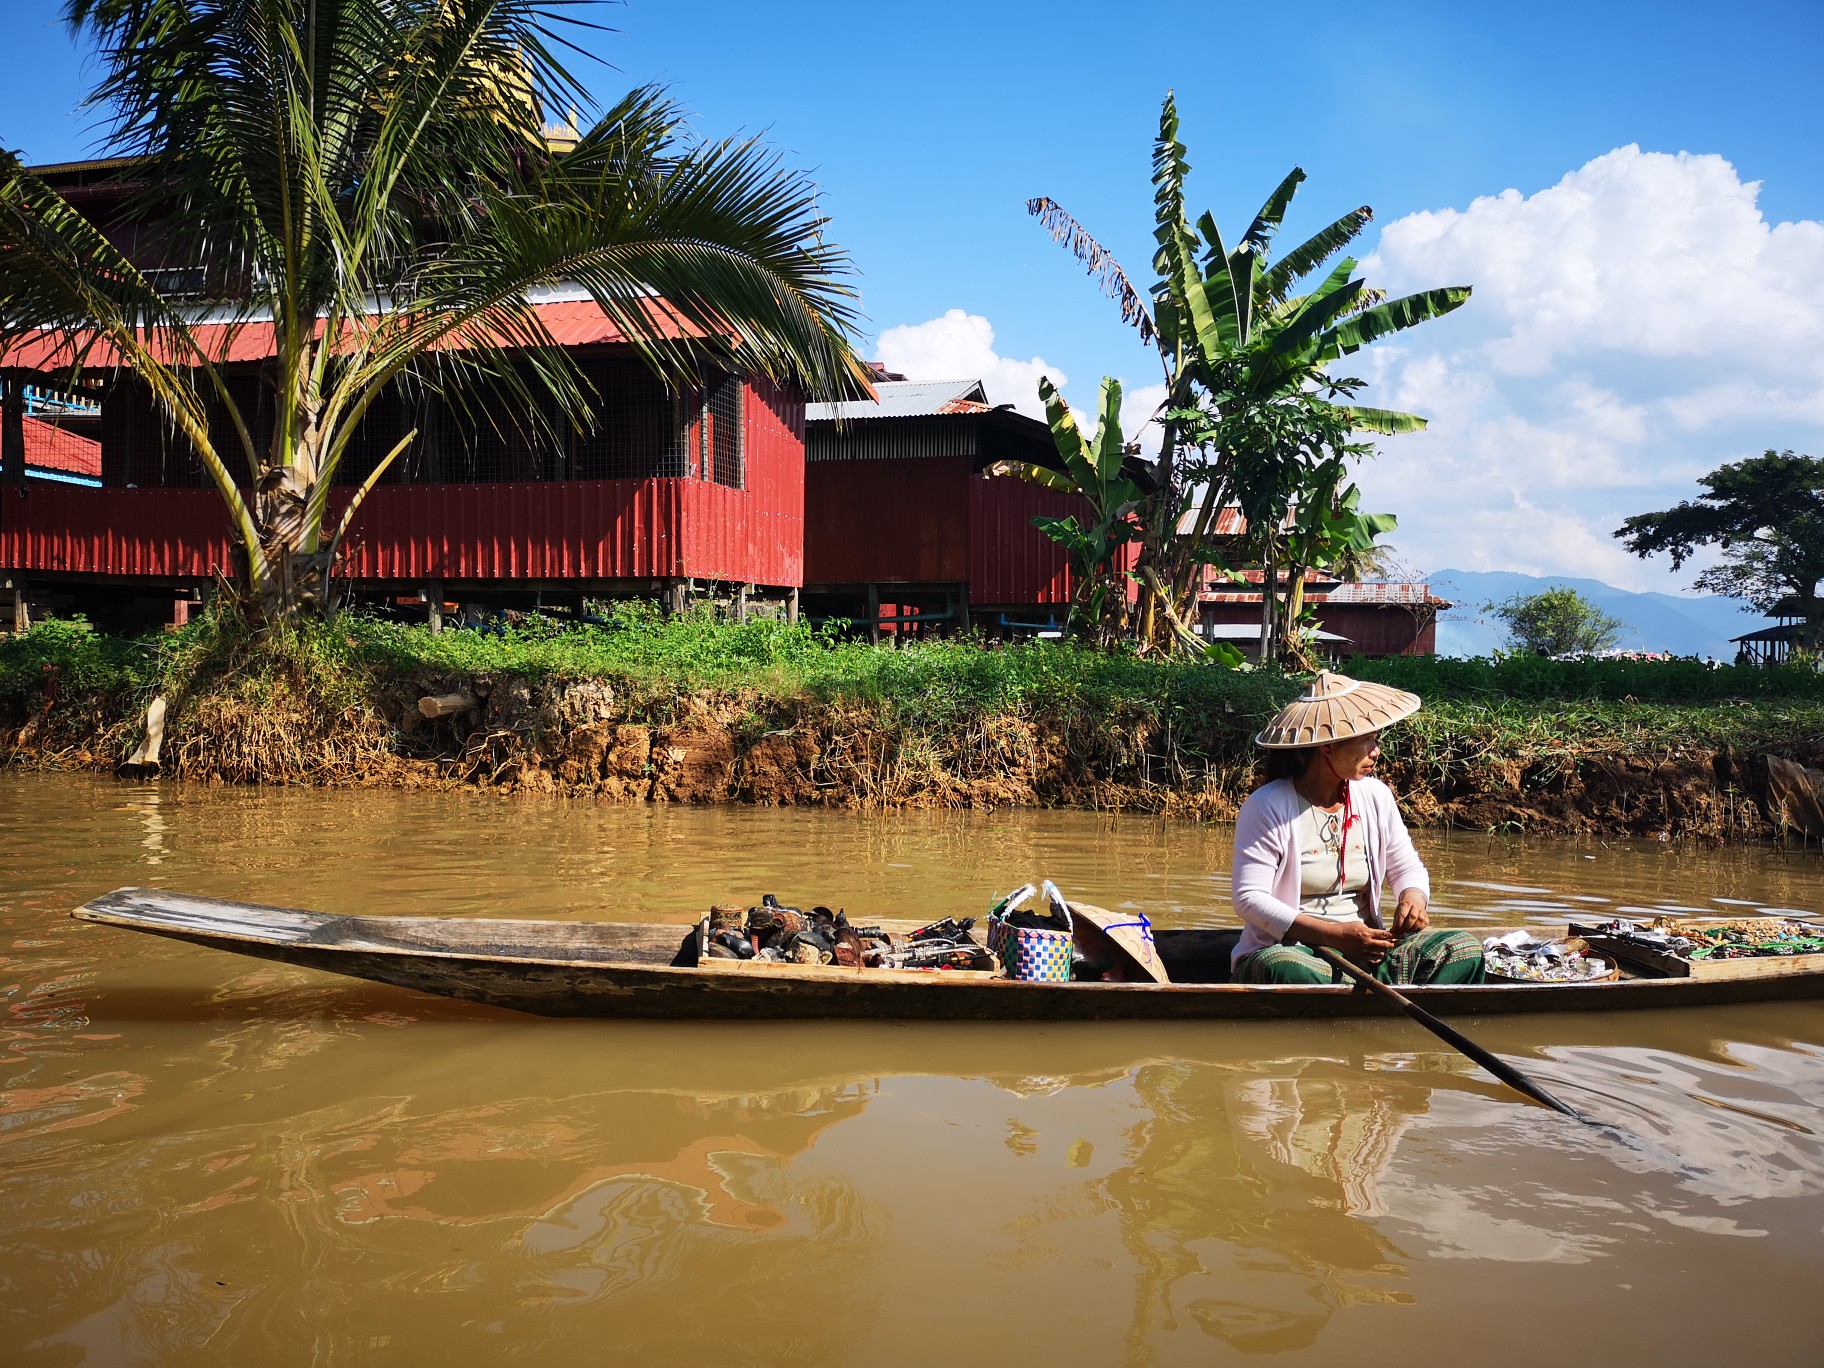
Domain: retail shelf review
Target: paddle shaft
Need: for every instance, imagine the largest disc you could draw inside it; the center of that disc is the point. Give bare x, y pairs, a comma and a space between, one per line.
1505, 1072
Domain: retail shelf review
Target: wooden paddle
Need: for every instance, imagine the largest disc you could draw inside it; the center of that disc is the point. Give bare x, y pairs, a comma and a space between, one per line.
1505, 1072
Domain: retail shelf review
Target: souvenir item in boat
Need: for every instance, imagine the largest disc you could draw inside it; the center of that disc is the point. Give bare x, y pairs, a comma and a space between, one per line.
724, 917
949, 929
1036, 947
1525, 958
1750, 938
1704, 948
735, 943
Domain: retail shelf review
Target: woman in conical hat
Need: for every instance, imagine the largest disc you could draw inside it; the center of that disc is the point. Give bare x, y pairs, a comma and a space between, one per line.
1316, 844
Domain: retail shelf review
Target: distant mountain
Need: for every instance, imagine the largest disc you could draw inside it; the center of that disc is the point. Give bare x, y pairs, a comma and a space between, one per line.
1699, 625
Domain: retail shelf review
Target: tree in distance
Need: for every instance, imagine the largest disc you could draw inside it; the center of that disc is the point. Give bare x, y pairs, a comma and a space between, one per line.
1767, 515
1556, 621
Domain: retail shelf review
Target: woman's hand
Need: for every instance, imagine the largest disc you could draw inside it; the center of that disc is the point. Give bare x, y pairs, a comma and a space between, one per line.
1357, 940
1410, 915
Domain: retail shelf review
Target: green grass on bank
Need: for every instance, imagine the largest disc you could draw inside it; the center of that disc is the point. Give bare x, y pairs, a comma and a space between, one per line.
1645, 681
1521, 705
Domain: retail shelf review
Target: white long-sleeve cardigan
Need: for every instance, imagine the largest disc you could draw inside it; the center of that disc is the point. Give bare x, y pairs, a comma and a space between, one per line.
1264, 884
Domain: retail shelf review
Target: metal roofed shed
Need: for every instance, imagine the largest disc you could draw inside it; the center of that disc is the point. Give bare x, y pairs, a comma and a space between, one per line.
1375, 619
904, 528
906, 399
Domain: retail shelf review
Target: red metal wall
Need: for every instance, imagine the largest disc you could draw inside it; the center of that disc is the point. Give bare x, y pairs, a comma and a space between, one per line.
1373, 630
929, 520
583, 529
180, 533
1010, 560
753, 535
887, 522
1381, 631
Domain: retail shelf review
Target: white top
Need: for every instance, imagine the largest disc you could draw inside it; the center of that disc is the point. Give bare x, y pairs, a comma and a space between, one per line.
1332, 865
1265, 881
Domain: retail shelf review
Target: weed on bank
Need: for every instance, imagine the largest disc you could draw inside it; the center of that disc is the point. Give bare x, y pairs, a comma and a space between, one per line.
307, 702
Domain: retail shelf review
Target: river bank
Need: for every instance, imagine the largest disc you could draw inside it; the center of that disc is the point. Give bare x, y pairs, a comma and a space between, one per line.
647, 709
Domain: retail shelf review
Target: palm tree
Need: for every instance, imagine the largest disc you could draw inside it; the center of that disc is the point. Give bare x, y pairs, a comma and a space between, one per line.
1249, 415
372, 179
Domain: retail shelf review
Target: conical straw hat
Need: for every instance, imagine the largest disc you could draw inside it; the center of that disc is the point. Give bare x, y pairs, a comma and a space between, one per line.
1334, 707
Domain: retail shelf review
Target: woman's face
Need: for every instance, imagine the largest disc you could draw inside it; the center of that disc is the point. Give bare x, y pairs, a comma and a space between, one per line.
1351, 759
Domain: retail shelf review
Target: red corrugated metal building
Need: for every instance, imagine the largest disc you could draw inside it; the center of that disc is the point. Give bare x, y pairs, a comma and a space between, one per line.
664, 489
904, 527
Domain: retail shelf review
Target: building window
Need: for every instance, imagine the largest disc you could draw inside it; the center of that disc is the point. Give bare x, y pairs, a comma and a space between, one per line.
641, 428
638, 428
724, 437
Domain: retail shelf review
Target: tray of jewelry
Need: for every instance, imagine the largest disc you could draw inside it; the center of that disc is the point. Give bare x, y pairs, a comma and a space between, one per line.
1709, 947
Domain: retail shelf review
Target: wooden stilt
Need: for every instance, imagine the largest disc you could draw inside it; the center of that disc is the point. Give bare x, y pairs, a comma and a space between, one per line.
433, 602
874, 614
22, 613
791, 605
741, 602
962, 608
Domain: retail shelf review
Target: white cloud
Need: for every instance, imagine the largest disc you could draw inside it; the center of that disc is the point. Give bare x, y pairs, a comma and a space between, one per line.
960, 346
1632, 327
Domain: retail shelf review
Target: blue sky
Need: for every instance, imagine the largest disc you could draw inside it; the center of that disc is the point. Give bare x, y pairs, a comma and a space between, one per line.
1635, 190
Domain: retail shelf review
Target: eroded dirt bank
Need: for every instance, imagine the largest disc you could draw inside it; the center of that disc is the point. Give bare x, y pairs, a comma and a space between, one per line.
621, 743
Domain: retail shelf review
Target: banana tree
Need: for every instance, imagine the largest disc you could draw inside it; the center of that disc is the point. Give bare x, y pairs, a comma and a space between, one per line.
1092, 469
372, 180
1234, 339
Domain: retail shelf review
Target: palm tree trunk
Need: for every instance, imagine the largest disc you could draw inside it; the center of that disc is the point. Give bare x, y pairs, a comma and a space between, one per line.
292, 576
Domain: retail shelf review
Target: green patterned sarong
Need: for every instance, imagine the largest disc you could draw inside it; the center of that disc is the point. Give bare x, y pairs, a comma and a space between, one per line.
1426, 957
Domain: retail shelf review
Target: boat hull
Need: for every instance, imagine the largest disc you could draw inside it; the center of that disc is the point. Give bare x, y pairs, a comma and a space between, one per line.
604, 970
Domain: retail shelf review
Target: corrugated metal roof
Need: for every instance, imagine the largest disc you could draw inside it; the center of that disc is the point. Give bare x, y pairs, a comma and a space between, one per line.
1229, 522
1363, 595
1385, 593
906, 399
49, 447
571, 323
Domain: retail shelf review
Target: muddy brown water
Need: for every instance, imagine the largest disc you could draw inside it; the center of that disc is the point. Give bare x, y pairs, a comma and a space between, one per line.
209, 1160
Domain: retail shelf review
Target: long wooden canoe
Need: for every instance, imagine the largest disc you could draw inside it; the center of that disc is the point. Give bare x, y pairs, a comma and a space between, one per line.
607, 969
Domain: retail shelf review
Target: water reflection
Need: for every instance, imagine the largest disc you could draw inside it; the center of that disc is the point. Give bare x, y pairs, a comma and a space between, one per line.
1245, 1201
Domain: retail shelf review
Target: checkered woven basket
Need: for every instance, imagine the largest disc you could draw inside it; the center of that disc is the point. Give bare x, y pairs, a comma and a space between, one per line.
1029, 952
